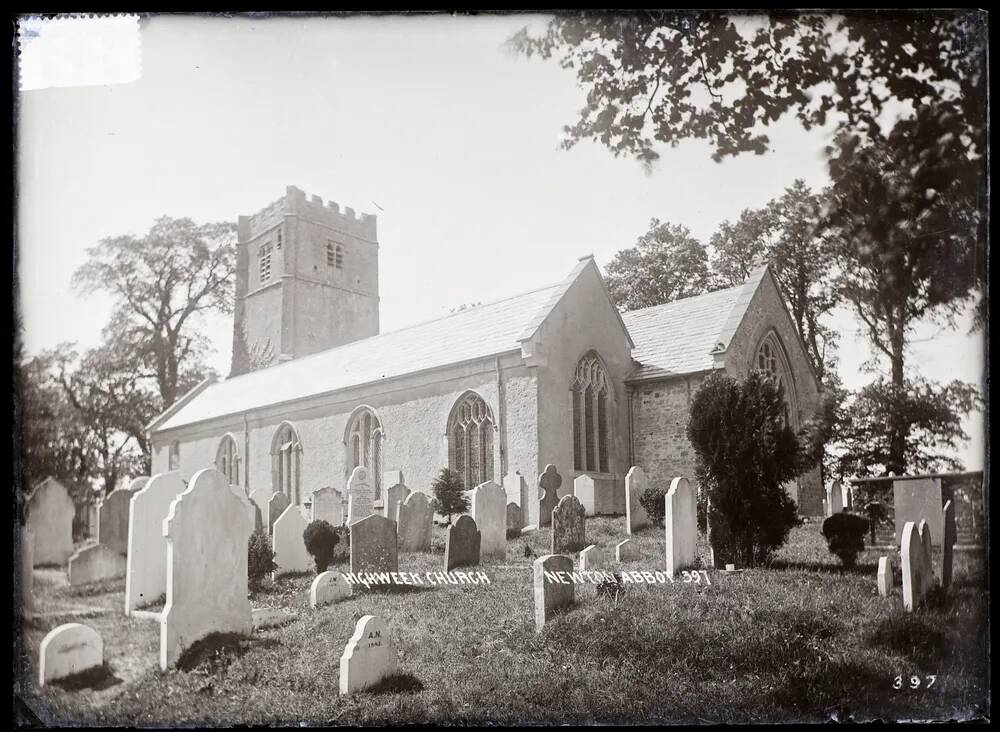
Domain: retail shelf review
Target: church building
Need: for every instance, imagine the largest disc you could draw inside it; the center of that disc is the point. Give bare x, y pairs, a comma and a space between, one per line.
495, 391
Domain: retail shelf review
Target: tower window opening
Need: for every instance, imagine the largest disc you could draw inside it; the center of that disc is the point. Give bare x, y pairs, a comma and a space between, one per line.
265, 264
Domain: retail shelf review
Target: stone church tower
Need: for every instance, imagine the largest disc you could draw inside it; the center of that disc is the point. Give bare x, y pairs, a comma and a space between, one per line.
306, 281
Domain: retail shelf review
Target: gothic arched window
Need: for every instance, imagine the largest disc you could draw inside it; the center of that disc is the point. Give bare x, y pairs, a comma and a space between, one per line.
592, 416
227, 460
771, 360
365, 442
286, 462
470, 440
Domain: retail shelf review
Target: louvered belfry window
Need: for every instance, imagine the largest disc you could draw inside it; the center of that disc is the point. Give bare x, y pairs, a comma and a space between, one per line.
592, 416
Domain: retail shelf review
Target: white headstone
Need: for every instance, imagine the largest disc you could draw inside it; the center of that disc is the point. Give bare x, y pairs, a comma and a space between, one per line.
328, 505
635, 486
394, 495
626, 551
68, 650
680, 521
592, 559
50, 521
414, 520
137, 484
289, 548
94, 563
146, 563
489, 511
553, 586
834, 499
207, 531
885, 578
327, 588
916, 564
276, 506
585, 491
369, 656
360, 495
259, 499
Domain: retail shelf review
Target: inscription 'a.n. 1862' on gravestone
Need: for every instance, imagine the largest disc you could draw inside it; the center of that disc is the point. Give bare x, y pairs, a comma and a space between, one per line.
369, 656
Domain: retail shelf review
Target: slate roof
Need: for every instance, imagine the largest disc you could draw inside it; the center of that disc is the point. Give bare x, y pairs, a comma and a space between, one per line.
477, 332
680, 337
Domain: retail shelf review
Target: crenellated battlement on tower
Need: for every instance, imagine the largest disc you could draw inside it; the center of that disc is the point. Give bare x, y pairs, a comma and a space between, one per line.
297, 203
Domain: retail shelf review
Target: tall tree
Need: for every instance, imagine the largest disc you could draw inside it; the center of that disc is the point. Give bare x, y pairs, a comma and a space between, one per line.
787, 234
162, 282
666, 264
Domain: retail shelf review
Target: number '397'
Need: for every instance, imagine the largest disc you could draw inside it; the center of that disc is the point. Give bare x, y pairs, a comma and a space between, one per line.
914, 682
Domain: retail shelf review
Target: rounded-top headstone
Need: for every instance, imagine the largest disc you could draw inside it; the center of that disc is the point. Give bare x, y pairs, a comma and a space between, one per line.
369, 656
68, 650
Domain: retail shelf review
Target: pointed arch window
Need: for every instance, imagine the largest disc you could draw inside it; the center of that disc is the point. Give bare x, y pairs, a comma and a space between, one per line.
592, 416
227, 460
365, 445
286, 463
770, 359
470, 440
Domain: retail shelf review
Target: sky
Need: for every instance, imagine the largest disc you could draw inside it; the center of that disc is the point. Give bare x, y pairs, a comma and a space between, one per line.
427, 122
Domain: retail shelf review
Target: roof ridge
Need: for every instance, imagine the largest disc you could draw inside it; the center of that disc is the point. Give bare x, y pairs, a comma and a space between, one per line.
683, 299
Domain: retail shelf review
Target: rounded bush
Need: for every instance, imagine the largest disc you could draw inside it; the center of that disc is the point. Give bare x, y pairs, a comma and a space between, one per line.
845, 536
652, 501
321, 540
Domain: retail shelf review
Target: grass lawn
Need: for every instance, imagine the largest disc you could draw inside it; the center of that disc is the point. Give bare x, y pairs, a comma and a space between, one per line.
800, 640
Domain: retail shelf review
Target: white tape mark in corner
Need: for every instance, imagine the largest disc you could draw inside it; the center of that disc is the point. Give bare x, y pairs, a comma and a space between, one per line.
79, 51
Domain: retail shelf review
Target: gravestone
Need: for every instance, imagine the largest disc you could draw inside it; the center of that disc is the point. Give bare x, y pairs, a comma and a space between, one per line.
373, 545
635, 485
585, 491
112, 520
569, 531
918, 499
392, 477
515, 520
207, 530
414, 521
916, 564
94, 563
146, 561
92, 521
328, 588
489, 510
462, 544
259, 499
68, 650
885, 578
626, 551
50, 521
276, 506
592, 559
138, 483
834, 499
289, 548
27, 571
680, 521
551, 595
360, 495
328, 505
394, 496
549, 482
369, 656
948, 544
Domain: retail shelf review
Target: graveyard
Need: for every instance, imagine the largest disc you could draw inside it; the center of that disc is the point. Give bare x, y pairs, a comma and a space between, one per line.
799, 639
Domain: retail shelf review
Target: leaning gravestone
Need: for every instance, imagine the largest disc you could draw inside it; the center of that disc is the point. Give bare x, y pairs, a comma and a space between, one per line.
462, 544
327, 588
68, 650
626, 551
112, 520
885, 578
549, 481
394, 496
569, 531
585, 490
916, 564
918, 499
373, 545
95, 563
207, 531
414, 520
680, 520
50, 521
360, 495
489, 511
276, 506
289, 548
948, 544
328, 505
259, 499
515, 520
551, 594
592, 559
146, 561
369, 656
635, 486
